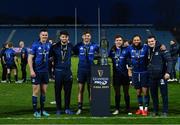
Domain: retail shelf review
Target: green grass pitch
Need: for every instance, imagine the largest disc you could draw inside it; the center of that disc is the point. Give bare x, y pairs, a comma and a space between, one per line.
16, 107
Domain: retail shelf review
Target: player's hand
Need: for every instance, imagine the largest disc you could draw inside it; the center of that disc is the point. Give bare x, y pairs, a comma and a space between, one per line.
33, 74
163, 47
166, 76
129, 72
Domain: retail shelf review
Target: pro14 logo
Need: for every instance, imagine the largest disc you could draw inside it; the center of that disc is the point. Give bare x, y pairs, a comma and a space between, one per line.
101, 82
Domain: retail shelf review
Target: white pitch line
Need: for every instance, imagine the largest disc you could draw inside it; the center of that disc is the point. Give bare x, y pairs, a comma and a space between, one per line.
72, 118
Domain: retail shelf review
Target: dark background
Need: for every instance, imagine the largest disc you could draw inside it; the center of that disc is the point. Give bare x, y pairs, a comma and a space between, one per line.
161, 12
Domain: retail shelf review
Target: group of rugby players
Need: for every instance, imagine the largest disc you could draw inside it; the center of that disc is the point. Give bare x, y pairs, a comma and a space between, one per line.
147, 67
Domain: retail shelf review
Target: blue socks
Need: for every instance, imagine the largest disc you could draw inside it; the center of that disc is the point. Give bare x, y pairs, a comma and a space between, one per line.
34, 103
42, 101
146, 100
140, 100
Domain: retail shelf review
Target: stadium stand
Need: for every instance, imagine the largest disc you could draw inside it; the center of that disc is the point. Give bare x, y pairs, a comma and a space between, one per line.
30, 34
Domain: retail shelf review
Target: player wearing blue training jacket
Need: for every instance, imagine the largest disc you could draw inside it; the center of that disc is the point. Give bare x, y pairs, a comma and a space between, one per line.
60, 54
159, 69
139, 61
119, 56
86, 51
38, 64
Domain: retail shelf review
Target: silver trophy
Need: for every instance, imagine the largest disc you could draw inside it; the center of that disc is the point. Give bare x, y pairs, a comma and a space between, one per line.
104, 51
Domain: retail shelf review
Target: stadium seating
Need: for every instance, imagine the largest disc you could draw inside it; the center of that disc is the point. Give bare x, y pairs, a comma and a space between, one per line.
30, 34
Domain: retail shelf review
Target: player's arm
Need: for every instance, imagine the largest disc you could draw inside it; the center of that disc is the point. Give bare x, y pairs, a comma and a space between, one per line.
23, 54
72, 48
3, 58
129, 67
97, 55
76, 49
51, 55
16, 60
167, 57
128, 60
30, 63
30, 60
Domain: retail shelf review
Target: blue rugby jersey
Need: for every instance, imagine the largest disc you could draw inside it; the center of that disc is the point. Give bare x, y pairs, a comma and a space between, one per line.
119, 58
9, 55
139, 58
86, 54
41, 53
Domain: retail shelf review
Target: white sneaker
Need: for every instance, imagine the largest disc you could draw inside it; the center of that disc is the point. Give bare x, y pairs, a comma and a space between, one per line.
79, 111
53, 102
18, 81
51, 80
175, 80
116, 112
169, 80
3, 81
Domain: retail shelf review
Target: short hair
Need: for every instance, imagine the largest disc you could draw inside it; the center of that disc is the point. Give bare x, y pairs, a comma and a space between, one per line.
118, 36
86, 32
10, 44
152, 36
136, 35
64, 33
43, 30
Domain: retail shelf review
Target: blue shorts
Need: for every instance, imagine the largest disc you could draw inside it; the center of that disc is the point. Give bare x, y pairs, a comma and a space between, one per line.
140, 80
84, 76
41, 78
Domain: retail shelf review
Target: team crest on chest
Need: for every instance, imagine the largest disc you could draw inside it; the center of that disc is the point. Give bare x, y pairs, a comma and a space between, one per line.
156, 53
91, 47
81, 48
133, 51
39, 48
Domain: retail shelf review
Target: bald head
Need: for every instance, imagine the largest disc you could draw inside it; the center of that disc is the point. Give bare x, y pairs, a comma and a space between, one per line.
21, 44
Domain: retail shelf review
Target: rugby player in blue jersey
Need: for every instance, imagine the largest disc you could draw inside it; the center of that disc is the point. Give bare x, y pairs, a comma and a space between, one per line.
38, 64
86, 51
119, 56
10, 61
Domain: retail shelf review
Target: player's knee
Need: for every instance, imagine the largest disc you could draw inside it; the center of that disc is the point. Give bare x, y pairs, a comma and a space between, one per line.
81, 88
138, 92
81, 91
43, 91
35, 92
15, 72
